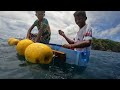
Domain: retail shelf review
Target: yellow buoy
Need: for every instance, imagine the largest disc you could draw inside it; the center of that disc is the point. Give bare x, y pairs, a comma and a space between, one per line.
22, 45
9, 41
39, 53
14, 42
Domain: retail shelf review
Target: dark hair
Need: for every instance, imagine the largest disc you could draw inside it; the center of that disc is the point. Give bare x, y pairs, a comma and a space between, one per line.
80, 13
41, 11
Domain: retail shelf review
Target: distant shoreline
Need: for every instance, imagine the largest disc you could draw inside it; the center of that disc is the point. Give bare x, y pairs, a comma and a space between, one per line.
105, 45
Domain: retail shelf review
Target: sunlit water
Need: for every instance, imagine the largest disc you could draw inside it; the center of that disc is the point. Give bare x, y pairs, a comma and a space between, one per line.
102, 65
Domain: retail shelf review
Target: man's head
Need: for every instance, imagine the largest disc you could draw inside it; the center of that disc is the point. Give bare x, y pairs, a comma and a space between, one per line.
80, 18
40, 14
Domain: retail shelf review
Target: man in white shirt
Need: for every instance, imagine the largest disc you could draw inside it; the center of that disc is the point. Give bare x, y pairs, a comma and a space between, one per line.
82, 41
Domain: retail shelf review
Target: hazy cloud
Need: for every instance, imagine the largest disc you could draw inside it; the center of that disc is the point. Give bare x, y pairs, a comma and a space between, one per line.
105, 24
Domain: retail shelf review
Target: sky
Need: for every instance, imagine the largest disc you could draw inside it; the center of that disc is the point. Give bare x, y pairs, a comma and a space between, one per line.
105, 24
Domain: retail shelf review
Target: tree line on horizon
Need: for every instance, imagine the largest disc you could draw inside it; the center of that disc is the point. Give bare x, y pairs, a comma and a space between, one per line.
105, 45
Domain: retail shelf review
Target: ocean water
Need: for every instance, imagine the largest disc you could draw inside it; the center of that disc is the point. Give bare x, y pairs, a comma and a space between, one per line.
102, 65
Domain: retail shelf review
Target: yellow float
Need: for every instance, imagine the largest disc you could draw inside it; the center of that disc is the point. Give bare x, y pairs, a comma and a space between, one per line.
13, 41
39, 53
22, 45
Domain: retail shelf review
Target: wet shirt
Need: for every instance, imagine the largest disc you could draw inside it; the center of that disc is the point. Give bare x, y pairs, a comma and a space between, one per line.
44, 26
85, 33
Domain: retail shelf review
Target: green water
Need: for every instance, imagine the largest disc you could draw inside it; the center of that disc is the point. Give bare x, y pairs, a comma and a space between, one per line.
102, 65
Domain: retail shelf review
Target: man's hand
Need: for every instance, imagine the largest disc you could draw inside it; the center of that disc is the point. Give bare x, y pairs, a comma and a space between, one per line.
61, 33
67, 46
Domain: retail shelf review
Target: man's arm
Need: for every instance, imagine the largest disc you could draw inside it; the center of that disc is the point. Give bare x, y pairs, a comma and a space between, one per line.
83, 44
67, 39
29, 31
38, 38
